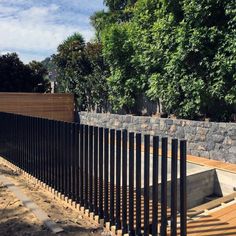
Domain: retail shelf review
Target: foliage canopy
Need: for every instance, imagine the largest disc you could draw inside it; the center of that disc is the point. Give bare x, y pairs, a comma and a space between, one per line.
82, 71
180, 52
15, 76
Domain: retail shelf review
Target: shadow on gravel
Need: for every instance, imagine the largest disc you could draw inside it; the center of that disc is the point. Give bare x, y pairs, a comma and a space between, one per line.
12, 224
7, 171
16, 225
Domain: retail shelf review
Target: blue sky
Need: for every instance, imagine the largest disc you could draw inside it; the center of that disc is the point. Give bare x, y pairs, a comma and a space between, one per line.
34, 28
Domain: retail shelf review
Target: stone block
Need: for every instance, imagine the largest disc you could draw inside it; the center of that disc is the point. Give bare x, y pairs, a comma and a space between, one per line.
204, 154
233, 150
202, 131
217, 155
200, 138
173, 128
169, 121
231, 158
180, 133
210, 145
154, 120
163, 125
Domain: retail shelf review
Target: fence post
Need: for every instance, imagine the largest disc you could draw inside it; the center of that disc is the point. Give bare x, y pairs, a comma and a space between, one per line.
118, 181
81, 149
155, 186
164, 186
124, 181
146, 183
138, 183
95, 170
183, 196
86, 166
131, 183
100, 211
77, 161
106, 169
72, 161
174, 157
57, 157
91, 168
112, 173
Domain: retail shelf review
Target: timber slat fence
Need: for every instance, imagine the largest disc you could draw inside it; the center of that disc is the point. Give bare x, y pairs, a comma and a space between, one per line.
103, 170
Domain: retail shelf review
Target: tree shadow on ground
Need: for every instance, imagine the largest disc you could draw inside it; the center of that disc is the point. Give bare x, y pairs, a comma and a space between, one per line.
16, 224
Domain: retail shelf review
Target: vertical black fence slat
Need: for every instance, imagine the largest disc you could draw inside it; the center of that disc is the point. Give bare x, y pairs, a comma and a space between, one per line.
90, 168
174, 157
28, 146
62, 134
51, 152
35, 135
95, 170
70, 154
112, 173
72, 160
124, 181
25, 144
57, 156
66, 157
100, 210
164, 150
183, 194
64, 162
77, 161
39, 148
138, 183
47, 154
54, 152
86, 166
146, 182
45, 167
118, 177
106, 172
131, 184
155, 186
81, 183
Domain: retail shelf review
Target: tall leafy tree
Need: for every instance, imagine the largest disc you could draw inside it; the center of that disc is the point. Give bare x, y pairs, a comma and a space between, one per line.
15, 76
39, 73
182, 52
82, 71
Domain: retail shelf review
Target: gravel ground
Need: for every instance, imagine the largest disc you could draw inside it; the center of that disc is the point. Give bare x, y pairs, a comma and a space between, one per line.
16, 220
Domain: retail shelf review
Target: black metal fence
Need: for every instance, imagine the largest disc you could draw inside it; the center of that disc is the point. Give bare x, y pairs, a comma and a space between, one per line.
114, 173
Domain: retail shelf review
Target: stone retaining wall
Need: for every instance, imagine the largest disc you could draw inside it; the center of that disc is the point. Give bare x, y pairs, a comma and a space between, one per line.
206, 139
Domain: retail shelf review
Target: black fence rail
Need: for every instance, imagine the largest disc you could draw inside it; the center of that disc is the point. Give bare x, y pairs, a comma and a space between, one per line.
121, 176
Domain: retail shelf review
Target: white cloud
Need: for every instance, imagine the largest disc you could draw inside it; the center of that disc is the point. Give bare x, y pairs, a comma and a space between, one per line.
35, 31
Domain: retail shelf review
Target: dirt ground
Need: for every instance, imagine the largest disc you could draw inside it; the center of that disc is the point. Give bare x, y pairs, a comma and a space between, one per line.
16, 220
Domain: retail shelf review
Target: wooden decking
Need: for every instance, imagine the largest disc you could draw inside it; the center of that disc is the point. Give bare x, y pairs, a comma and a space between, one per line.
203, 161
212, 163
219, 223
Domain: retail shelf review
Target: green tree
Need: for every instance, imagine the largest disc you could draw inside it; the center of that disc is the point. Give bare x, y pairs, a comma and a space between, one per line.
81, 70
182, 52
15, 76
39, 73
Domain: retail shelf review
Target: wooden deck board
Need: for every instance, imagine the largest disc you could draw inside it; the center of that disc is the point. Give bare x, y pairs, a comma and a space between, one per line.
203, 161
219, 223
212, 204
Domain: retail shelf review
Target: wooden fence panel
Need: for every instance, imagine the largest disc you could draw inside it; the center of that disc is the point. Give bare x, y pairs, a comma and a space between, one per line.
57, 106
